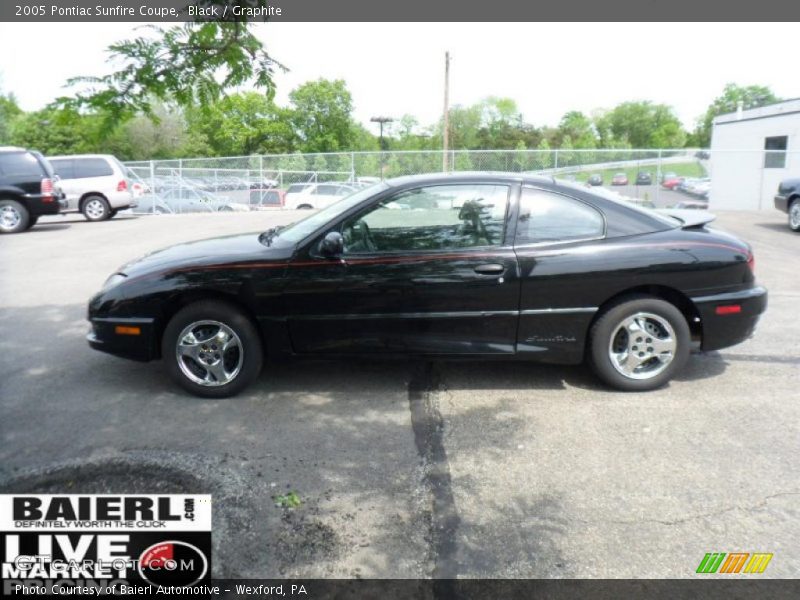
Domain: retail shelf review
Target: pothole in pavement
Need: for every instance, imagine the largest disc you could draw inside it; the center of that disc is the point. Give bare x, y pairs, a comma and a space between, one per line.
251, 537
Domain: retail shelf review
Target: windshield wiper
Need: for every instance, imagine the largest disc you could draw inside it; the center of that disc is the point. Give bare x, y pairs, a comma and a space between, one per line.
267, 236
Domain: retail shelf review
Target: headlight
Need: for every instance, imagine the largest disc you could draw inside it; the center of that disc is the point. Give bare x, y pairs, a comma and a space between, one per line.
114, 280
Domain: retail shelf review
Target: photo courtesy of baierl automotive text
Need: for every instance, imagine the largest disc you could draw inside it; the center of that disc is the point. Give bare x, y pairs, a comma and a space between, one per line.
403, 301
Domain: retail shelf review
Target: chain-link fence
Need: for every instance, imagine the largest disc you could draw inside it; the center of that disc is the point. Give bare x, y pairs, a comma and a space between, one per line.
659, 178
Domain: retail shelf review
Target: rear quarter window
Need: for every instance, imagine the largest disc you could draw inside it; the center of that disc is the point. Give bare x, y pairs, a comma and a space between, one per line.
91, 167
20, 164
550, 217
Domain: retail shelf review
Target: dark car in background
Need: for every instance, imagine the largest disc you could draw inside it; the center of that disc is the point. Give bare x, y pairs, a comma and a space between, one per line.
595, 179
465, 265
788, 200
28, 189
644, 178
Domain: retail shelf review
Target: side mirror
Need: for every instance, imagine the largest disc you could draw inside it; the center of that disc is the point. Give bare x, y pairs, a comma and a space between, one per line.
332, 244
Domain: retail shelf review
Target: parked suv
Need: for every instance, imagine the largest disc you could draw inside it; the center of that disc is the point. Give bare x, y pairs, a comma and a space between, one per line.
27, 189
96, 185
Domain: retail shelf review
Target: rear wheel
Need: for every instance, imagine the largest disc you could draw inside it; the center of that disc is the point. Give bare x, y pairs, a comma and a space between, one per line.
112, 213
32, 221
794, 215
14, 217
639, 343
96, 208
212, 349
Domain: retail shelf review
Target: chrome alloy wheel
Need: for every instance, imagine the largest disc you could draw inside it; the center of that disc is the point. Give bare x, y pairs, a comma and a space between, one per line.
9, 218
794, 215
209, 353
95, 209
642, 346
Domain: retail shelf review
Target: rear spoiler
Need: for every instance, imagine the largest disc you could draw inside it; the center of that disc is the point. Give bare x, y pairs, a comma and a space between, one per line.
689, 217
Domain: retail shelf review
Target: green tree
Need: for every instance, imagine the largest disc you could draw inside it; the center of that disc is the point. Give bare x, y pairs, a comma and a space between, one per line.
641, 124
322, 116
190, 64
56, 131
751, 96
9, 110
544, 156
579, 128
243, 124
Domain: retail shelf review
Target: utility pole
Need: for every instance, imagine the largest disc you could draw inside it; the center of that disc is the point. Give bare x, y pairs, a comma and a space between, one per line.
382, 121
446, 118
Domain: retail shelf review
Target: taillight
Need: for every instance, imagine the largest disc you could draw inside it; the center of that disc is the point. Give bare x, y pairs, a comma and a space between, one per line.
122, 186
731, 309
47, 190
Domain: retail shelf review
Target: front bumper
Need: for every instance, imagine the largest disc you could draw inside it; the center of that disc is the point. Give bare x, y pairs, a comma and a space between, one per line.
731, 328
133, 338
782, 203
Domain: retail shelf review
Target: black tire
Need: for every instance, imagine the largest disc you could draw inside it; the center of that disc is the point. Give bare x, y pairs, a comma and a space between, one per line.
607, 325
14, 217
113, 213
31, 222
230, 316
96, 208
794, 215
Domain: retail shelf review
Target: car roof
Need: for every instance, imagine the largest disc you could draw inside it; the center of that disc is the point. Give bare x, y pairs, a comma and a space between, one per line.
466, 176
82, 156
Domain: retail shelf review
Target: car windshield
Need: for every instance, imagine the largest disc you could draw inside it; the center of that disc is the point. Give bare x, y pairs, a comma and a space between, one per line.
299, 230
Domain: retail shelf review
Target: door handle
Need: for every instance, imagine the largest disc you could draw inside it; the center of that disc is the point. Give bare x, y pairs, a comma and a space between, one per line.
490, 269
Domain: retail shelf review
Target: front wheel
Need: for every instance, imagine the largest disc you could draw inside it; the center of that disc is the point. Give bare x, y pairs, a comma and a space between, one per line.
794, 216
212, 349
639, 344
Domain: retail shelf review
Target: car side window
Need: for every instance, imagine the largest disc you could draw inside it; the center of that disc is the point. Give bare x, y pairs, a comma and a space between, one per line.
21, 164
443, 217
92, 167
63, 168
549, 217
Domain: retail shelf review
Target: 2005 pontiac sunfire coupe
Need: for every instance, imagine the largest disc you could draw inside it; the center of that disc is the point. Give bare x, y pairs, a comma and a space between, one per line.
466, 265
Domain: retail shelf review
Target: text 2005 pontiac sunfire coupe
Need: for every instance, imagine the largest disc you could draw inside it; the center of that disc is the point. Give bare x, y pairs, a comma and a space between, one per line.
466, 265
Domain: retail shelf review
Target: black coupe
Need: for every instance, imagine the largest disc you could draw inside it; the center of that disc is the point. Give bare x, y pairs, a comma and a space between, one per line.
465, 265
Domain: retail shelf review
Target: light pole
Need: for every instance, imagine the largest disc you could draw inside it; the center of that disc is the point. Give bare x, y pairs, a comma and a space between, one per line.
381, 121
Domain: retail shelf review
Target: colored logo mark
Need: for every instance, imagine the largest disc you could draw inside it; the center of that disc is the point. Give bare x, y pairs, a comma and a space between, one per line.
734, 562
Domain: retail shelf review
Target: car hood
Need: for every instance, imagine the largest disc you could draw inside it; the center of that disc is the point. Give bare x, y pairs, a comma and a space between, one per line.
209, 252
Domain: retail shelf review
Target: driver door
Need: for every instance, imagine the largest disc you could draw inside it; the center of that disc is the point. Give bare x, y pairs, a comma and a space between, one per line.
429, 270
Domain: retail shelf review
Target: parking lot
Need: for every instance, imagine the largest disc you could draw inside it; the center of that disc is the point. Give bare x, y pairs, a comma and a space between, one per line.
409, 469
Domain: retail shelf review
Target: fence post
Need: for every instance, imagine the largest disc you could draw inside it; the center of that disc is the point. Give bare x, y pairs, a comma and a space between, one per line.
260, 170
555, 161
353, 167
153, 184
658, 178
180, 170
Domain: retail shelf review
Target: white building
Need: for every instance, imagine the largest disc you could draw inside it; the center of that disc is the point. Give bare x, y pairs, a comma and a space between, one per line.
751, 152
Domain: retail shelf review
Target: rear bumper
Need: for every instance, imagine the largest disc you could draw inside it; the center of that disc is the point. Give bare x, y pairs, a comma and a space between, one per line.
117, 336
724, 330
782, 203
39, 204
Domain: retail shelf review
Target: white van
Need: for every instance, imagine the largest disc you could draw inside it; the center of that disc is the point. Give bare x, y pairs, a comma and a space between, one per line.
95, 184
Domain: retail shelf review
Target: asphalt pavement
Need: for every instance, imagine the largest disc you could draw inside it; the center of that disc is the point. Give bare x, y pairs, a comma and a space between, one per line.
409, 469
